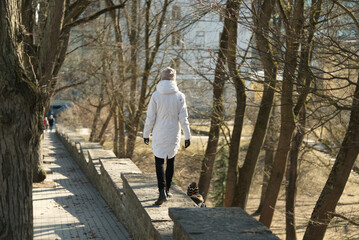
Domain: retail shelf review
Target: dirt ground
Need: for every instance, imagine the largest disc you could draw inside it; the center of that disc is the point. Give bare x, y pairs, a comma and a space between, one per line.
314, 169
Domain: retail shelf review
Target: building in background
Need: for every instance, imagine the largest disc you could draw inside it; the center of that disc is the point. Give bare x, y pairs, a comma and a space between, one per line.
193, 31
193, 51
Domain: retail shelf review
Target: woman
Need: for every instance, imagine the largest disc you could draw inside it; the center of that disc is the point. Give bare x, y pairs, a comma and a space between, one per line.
167, 111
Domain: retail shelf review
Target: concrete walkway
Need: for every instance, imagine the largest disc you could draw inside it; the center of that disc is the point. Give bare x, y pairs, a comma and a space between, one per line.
66, 206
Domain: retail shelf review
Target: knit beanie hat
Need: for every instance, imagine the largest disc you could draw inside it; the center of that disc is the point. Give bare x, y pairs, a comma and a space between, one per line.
192, 189
168, 74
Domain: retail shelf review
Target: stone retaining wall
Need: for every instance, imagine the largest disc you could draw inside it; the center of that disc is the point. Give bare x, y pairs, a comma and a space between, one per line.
131, 195
217, 223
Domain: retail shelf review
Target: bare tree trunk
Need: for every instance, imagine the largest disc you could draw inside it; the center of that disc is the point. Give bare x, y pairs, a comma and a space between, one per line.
133, 125
338, 177
118, 97
235, 144
39, 173
19, 129
269, 148
121, 132
27, 14
293, 33
94, 123
97, 114
304, 81
286, 132
51, 34
115, 138
216, 117
292, 173
119, 125
101, 136
133, 65
233, 8
246, 172
268, 161
21, 110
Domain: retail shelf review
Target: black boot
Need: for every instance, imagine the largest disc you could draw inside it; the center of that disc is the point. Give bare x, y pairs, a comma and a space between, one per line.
169, 195
162, 197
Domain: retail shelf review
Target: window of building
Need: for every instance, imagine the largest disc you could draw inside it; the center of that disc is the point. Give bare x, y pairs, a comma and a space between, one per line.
176, 12
176, 39
200, 38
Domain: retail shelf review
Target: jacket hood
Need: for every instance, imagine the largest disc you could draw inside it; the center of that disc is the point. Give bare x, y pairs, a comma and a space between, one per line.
167, 87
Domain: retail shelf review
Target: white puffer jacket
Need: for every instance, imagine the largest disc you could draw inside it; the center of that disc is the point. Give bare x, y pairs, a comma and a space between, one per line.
167, 110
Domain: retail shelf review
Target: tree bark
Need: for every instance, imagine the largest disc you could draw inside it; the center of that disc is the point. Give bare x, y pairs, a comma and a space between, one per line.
233, 8
304, 80
118, 96
21, 124
19, 131
292, 173
115, 139
235, 144
293, 34
39, 173
333, 189
49, 45
286, 132
216, 116
269, 148
268, 162
101, 136
97, 113
133, 65
121, 132
246, 172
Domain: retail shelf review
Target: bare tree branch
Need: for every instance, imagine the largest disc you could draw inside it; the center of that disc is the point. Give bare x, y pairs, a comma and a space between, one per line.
283, 13
70, 86
351, 221
75, 10
94, 16
351, 15
195, 70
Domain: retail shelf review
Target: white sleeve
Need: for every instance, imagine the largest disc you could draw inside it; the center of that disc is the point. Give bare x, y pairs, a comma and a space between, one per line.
150, 118
183, 117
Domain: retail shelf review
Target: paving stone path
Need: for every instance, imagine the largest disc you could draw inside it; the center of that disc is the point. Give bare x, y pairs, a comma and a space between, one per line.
66, 205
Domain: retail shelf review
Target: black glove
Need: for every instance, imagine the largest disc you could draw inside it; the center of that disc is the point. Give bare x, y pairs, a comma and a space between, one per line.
187, 143
146, 140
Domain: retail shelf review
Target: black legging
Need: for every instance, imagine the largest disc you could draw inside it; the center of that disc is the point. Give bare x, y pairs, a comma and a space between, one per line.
161, 181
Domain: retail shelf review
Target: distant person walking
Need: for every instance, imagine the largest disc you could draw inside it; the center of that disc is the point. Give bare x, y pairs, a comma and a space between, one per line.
166, 114
51, 122
46, 123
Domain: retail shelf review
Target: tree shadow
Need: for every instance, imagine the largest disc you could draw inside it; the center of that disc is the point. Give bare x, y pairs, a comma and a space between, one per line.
88, 216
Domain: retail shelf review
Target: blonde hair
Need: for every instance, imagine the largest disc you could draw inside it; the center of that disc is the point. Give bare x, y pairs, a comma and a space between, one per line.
168, 74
